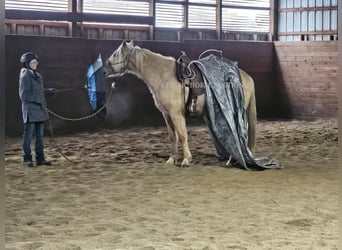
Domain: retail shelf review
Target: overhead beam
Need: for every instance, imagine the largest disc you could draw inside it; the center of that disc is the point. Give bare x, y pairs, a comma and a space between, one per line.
186, 14
219, 19
152, 12
72, 7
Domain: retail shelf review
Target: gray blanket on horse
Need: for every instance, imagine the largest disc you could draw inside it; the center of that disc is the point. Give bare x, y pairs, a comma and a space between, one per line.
226, 115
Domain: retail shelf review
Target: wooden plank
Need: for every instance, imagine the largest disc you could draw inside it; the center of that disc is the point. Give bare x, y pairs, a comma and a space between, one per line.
309, 103
316, 44
302, 72
314, 102
290, 64
315, 96
308, 53
306, 59
310, 78
310, 86
320, 32
35, 22
289, 75
28, 30
303, 50
305, 73
318, 107
55, 31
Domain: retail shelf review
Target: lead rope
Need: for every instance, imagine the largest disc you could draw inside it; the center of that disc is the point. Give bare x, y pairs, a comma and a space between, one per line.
59, 149
84, 117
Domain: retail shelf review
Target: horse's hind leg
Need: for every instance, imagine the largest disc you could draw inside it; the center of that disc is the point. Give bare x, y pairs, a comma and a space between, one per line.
172, 136
182, 134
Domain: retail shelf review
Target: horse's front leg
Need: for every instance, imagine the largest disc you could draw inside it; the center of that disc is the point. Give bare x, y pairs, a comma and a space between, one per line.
182, 134
172, 136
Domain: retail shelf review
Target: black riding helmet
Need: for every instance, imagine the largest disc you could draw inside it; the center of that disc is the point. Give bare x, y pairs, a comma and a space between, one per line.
27, 57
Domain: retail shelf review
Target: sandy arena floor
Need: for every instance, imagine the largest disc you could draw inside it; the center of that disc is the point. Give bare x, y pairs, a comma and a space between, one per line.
121, 195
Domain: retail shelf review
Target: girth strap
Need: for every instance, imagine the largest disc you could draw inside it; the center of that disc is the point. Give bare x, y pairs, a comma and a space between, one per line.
191, 77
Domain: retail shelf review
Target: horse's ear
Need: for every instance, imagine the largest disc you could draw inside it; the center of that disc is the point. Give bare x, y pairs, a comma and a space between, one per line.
127, 43
130, 43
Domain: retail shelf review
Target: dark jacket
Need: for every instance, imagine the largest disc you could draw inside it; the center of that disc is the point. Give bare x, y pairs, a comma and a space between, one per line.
31, 92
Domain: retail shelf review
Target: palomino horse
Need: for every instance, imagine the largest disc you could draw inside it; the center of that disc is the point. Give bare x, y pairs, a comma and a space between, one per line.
159, 74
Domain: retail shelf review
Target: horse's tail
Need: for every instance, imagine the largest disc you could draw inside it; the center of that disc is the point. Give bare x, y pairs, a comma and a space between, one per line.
252, 121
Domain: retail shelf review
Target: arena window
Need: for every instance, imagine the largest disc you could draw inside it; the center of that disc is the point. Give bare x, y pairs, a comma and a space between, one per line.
38, 5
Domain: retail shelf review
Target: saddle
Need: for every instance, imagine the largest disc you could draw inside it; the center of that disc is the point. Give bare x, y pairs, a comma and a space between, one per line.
190, 76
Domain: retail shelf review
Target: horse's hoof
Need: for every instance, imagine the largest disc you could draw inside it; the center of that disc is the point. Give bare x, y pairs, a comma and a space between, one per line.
185, 164
171, 161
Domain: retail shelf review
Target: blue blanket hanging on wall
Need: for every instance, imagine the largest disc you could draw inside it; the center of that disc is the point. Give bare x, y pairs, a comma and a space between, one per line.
96, 86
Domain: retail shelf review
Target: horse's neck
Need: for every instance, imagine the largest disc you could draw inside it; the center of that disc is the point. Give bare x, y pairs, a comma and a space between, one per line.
148, 66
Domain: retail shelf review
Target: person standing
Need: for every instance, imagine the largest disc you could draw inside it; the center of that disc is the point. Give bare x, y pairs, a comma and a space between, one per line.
32, 95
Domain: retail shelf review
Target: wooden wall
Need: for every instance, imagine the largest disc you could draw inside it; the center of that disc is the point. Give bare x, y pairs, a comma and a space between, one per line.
307, 78
64, 62
293, 80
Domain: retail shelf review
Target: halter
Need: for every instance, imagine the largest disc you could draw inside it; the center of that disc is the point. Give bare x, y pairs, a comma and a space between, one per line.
124, 61
113, 72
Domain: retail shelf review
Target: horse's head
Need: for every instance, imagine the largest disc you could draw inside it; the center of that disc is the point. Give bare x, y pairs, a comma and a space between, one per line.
117, 62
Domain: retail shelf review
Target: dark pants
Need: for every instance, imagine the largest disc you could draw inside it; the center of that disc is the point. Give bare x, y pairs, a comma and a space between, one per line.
31, 128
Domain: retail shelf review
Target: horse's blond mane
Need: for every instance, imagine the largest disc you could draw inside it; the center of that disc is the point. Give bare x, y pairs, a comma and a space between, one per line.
146, 53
